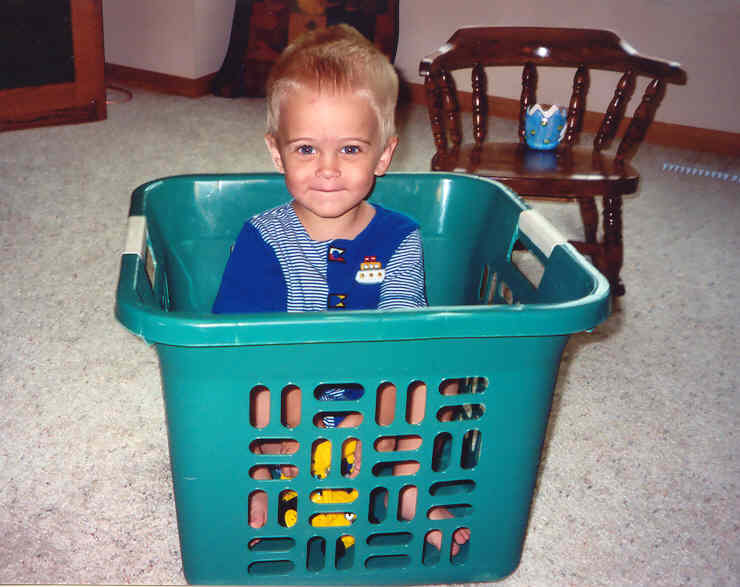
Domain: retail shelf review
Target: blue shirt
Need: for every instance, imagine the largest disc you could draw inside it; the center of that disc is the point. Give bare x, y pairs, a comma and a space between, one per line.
276, 266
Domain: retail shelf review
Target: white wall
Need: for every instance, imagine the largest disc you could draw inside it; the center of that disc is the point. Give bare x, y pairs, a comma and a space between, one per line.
189, 38
212, 32
186, 38
702, 36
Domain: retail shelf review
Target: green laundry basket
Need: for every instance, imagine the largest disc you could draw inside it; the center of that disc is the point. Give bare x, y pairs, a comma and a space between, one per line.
505, 292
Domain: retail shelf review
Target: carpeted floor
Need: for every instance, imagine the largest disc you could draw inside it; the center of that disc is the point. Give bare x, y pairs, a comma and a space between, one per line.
640, 478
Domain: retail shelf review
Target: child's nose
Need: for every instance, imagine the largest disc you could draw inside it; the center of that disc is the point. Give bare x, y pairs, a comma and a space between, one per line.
328, 166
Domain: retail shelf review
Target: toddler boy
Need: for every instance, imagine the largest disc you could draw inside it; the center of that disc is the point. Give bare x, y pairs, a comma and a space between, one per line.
331, 99
330, 130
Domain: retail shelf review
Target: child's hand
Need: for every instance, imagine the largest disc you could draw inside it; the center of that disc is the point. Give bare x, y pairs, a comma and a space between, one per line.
288, 447
258, 509
288, 471
353, 420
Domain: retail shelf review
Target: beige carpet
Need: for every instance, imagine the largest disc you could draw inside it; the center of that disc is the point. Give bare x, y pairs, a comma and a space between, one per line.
640, 478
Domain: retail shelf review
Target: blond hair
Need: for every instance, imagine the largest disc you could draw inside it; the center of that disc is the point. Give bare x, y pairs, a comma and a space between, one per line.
335, 59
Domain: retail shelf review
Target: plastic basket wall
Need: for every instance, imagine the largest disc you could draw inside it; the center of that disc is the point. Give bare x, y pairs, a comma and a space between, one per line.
495, 325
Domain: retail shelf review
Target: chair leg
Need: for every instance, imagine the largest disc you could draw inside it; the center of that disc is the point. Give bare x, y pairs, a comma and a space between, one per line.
590, 218
613, 251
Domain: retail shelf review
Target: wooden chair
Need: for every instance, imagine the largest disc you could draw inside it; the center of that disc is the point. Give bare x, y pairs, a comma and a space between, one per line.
569, 172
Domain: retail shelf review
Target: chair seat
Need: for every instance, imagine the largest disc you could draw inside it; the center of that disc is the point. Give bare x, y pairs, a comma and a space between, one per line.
562, 172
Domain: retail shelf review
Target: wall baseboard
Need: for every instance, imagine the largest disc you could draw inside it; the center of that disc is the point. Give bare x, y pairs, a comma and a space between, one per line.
158, 82
660, 133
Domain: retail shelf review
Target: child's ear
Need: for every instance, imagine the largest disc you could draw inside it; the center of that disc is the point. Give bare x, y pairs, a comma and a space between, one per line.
386, 156
272, 147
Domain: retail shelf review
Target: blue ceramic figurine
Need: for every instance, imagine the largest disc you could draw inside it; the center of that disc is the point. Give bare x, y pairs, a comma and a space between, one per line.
545, 127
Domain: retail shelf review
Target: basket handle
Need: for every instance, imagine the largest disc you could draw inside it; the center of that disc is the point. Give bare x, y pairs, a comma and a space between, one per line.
135, 236
135, 298
539, 230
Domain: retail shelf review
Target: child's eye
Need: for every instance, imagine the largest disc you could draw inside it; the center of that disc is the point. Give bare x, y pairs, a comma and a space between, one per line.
305, 150
351, 149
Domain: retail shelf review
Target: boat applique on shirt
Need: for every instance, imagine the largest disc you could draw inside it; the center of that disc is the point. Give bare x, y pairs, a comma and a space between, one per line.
371, 271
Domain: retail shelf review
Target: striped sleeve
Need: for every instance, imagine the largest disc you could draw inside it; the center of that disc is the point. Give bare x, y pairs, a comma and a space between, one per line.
303, 261
403, 286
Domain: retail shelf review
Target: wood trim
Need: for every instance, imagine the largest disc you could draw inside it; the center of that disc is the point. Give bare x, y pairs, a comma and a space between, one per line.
158, 82
89, 57
70, 115
660, 133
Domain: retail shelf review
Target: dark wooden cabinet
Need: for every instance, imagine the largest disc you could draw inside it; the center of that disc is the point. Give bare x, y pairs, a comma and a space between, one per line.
52, 69
262, 29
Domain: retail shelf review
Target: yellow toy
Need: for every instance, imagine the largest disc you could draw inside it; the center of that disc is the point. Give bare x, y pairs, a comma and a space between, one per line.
333, 519
320, 466
334, 496
336, 519
288, 509
288, 512
321, 459
348, 457
347, 541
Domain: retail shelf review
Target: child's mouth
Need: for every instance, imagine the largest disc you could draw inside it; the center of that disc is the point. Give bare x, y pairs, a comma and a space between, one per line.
327, 190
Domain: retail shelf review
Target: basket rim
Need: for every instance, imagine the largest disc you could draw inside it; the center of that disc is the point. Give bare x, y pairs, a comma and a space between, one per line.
146, 319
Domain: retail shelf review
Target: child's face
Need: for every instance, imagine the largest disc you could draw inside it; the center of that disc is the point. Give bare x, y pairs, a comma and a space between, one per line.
329, 148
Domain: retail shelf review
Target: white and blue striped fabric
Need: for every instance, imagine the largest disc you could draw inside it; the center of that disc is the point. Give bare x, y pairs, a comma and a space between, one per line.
349, 392
304, 264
